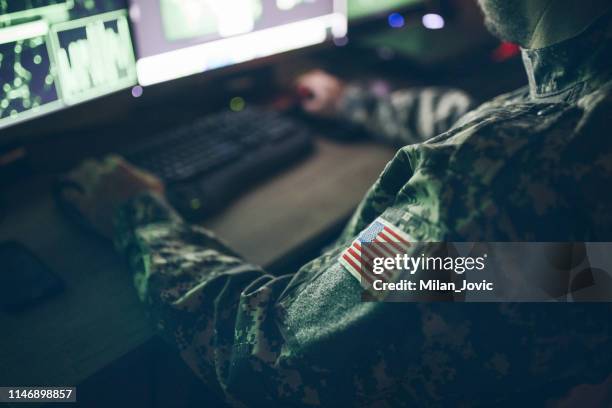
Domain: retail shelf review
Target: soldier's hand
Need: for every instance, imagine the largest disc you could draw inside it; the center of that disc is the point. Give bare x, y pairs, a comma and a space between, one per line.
103, 185
320, 93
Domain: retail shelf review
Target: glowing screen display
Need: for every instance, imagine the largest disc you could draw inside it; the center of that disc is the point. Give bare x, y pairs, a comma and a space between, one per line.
176, 38
56, 53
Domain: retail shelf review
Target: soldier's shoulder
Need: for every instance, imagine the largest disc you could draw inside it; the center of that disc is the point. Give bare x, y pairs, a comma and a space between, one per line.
504, 101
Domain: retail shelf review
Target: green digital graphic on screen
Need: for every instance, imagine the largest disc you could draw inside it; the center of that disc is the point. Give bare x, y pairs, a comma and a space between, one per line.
93, 56
11, 10
185, 19
365, 8
56, 53
196, 18
27, 83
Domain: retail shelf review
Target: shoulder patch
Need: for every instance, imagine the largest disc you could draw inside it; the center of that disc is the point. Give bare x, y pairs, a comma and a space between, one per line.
380, 239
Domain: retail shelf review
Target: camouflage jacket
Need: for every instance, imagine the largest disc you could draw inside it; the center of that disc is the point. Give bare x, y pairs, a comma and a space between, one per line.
532, 165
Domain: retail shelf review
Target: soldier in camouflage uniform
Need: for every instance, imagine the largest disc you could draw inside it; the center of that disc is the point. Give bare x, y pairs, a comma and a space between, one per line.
532, 165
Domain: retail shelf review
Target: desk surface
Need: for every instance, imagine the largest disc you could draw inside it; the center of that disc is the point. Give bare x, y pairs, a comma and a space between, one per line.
98, 318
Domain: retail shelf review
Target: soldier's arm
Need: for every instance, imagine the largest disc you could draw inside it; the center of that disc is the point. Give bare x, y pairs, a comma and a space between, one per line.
191, 282
255, 338
307, 338
403, 116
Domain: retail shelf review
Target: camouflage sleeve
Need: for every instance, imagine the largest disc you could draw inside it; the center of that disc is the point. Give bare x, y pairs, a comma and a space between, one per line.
404, 116
308, 338
192, 283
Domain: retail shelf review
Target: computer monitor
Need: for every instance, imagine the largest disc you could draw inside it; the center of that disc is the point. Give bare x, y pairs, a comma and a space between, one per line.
365, 9
177, 38
58, 53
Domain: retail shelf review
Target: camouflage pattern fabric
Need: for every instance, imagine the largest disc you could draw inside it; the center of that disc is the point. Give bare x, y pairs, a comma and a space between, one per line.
533, 165
404, 116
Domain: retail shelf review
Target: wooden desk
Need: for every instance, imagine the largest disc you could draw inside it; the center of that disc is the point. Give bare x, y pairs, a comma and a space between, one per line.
98, 318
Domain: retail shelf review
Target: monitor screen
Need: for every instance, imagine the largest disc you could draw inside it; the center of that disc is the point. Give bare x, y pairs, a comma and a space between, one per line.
57, 53
360, 9
176, 38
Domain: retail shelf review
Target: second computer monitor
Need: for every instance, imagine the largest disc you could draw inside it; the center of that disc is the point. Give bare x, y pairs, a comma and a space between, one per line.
177, 38
58, 53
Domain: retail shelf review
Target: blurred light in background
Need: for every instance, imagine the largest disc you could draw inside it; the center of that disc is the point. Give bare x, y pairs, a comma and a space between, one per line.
237, 104
433, 21
505, 51
341, 41
396, 20
137, 91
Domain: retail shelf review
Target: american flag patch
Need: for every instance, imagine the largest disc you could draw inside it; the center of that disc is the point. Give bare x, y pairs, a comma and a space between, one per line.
380, 240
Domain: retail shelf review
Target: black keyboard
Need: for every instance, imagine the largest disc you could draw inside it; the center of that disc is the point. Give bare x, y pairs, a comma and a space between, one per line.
208, 162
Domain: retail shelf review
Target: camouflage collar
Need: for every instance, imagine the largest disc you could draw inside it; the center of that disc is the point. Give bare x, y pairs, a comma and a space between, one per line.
572, 67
